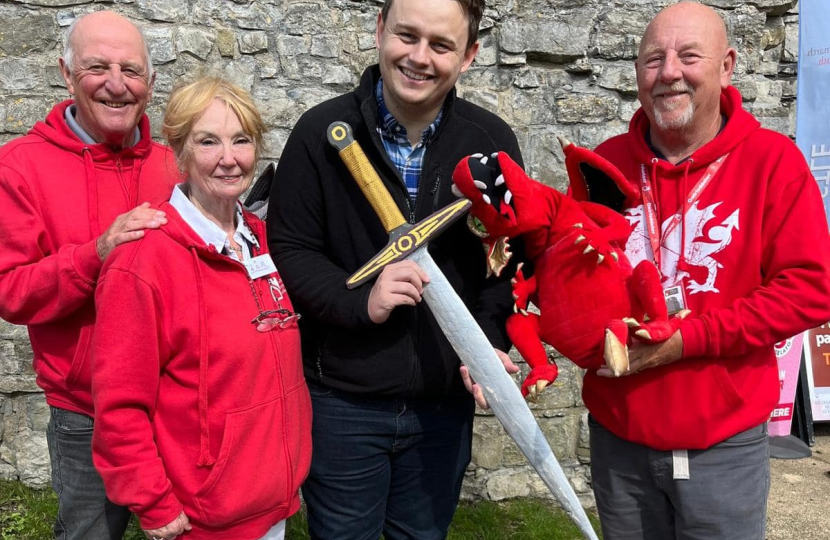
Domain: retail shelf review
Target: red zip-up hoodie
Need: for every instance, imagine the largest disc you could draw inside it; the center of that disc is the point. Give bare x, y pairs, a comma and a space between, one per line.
754, 264
195, 409
57, 195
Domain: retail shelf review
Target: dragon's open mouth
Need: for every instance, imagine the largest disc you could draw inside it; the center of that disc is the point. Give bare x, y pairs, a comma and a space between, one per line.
490, 182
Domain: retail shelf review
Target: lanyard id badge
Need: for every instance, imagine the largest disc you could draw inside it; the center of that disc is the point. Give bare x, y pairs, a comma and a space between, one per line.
675, 298
657, 237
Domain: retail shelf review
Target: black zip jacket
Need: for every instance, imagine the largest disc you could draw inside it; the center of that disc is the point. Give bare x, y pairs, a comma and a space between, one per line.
321, 229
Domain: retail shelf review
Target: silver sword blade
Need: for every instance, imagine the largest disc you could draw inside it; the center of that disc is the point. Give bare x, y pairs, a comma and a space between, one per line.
501, 391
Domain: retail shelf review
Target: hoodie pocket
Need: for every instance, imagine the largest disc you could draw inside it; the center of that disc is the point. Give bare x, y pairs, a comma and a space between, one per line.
731, 397
250, 476
79, 375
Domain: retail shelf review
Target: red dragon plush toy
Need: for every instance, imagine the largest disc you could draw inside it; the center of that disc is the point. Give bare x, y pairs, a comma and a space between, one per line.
590, 299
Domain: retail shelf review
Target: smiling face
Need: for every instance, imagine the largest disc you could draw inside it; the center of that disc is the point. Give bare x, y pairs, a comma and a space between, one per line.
683, 64
109, 79
221, 157
422, 49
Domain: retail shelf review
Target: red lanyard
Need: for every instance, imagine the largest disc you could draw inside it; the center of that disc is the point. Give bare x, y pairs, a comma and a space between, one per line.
650, 207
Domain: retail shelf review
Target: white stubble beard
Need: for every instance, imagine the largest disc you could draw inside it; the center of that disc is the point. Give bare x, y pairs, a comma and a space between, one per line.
677, 122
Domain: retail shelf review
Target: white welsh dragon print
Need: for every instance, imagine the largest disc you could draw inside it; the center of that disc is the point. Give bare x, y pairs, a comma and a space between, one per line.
704, 239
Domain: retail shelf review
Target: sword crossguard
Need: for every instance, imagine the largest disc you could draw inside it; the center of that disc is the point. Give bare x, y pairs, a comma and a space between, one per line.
410, 238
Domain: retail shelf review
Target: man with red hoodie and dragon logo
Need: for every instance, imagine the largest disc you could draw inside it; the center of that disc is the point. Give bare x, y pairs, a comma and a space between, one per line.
731, 217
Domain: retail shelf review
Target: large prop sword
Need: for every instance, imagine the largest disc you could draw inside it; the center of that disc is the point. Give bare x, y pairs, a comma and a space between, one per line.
459, 326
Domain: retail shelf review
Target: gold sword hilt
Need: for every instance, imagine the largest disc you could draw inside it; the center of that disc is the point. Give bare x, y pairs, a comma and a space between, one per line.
340, 136
404, 239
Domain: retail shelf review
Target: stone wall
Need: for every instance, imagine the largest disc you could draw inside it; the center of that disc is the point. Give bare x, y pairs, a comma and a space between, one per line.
548, 67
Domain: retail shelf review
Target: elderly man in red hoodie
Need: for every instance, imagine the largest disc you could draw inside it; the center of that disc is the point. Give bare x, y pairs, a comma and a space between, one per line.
73, 188
733, 218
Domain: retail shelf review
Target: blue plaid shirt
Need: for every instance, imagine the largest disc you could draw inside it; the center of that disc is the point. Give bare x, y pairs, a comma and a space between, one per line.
408, 159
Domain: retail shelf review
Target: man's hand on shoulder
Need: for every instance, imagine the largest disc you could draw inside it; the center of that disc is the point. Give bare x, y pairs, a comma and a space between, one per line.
399, 284
128, 227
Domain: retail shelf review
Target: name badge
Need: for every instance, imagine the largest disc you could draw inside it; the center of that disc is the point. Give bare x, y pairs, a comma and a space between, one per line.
260, 266
675, 299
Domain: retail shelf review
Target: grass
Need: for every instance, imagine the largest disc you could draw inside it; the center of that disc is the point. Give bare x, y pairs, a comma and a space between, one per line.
28, 514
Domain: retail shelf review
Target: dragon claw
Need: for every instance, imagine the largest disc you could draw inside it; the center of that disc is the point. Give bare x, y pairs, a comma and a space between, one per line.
577, 225
642, 333
600, 258
615, 354
588, 250
523, 312
580, 238
615, 256
631, 322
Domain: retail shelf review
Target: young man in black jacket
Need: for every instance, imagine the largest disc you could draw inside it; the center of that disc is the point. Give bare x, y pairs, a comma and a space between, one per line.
392, 420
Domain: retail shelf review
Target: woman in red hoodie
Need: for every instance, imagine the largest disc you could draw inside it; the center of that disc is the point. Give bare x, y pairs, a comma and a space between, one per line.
202, 414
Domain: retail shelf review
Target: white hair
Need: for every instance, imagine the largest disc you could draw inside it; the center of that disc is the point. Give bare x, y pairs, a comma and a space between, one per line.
69, 51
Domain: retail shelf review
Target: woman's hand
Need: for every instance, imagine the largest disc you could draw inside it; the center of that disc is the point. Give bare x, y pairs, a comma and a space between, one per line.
171, 530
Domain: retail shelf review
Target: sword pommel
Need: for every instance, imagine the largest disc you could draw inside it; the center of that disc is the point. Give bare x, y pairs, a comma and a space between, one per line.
340, 136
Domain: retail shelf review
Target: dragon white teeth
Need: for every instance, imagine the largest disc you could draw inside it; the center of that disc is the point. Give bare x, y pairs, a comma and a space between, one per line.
486, 199
477, 156
500, 180
483, 160
508, 197
480, 185
456, 191
494, 155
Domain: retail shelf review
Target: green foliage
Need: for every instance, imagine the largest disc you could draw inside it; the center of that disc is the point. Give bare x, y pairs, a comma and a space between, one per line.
519, 519
28, 514
25, 514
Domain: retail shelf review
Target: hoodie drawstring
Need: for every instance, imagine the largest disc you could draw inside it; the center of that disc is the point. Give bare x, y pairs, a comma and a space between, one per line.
92, 190
137, 164
205, 459
681, 260
91, 194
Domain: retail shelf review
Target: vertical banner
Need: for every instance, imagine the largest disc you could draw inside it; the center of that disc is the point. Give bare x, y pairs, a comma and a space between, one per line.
812, 132
788, 353
817, 358
813, 139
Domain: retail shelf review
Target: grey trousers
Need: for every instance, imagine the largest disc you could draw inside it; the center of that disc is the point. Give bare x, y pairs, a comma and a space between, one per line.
84, 512
725, 497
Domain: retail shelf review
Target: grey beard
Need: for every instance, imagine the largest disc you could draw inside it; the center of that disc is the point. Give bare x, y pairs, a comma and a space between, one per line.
677, 122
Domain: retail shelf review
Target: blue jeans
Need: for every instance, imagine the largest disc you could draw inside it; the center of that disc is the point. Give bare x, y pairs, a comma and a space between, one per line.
385, 465
84, 512
725, 497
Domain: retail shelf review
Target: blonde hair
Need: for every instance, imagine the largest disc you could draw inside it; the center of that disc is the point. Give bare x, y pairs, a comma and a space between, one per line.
187, 103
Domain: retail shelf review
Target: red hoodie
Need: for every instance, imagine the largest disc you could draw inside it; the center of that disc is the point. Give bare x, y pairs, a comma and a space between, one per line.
48, 229
195, 409
755, 270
